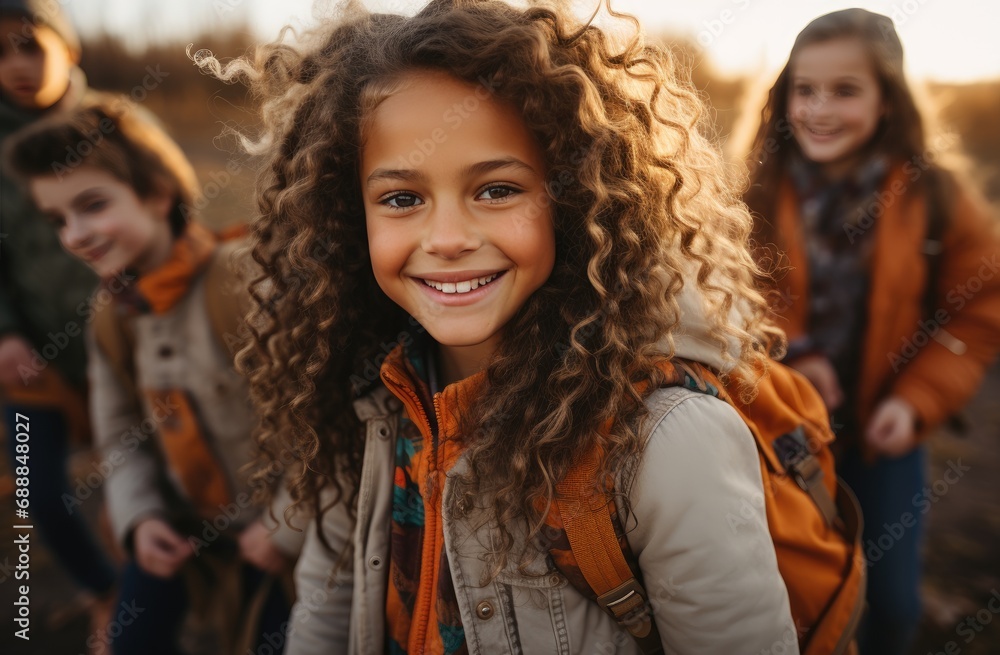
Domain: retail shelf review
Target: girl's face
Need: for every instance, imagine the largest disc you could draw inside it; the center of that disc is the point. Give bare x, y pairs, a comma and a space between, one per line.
101, 220
459, 226
835, 103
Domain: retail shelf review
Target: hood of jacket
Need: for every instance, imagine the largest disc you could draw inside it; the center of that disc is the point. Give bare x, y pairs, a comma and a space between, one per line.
693, 338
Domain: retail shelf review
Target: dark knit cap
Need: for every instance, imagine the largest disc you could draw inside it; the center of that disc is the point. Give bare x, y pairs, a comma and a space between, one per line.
44, 12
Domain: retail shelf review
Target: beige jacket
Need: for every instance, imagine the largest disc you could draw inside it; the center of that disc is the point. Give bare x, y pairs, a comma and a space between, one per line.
701, 538
176, 350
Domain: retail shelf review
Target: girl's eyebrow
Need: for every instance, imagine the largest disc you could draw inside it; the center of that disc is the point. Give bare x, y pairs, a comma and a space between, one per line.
84, 196
479, 168
402, 174
799, 79
496, 164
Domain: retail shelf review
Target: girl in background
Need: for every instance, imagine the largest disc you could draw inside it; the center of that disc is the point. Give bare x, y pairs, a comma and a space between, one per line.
882, 247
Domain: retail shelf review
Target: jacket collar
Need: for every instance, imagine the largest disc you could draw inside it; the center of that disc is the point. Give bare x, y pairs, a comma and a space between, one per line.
411, 377
158, 291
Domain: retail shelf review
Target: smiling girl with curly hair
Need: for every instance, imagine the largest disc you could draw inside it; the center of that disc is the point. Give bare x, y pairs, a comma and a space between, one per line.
483, 229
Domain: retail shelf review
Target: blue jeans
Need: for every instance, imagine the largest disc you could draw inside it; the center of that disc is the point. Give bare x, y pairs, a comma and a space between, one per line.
150, 610
895, 502
65, 533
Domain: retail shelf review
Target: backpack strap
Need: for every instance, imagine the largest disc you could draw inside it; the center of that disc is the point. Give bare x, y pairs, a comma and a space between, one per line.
934, 240
586, 516
226, 299
588, 526
793, 452
116, 340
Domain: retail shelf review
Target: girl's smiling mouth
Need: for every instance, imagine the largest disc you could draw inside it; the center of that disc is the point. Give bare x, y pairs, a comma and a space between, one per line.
464, 284
96, 253
459, 288
818, 132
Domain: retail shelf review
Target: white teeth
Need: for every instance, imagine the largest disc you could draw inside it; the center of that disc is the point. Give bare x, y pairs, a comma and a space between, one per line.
464, 286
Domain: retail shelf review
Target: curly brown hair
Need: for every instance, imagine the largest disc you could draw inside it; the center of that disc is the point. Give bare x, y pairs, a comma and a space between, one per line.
641, 204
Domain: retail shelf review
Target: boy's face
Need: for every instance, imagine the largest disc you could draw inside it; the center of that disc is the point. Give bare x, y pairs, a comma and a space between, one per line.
35, 64
101, 220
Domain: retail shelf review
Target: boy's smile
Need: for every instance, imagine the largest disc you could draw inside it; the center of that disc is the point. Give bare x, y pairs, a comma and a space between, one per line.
459, 230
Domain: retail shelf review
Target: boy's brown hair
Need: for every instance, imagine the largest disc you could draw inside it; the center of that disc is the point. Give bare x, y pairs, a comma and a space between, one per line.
113, 135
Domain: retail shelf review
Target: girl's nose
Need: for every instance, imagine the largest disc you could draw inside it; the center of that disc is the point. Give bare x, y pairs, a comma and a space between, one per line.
19, 62
818, 104
73, 234
451, 232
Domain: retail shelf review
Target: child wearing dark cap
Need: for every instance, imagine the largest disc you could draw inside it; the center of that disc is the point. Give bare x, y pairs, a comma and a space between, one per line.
43, 301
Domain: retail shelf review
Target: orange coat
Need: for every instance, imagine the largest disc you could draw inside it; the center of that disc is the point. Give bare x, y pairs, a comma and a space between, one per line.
934, 363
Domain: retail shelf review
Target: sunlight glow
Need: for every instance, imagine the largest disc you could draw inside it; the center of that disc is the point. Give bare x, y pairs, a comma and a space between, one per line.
951, 41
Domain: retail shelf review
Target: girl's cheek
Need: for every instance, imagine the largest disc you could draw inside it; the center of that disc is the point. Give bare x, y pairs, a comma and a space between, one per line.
798, 110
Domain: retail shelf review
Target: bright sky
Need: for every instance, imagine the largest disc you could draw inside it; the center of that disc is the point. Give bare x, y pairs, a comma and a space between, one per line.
945, 40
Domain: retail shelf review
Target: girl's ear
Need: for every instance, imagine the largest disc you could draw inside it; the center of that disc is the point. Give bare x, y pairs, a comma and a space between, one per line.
160, 201
884, 106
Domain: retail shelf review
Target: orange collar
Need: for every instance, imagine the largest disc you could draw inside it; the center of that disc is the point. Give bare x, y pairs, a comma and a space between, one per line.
437, 418
438, 415
159, 290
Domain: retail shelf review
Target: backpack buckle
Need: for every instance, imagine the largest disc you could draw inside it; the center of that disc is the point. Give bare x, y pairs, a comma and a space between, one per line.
627, 604
792, 449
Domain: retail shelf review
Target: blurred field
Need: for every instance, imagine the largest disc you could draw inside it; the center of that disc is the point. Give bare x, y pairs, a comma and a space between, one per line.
964, 537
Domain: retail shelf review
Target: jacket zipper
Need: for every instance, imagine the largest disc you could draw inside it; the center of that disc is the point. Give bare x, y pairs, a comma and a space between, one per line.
420, 621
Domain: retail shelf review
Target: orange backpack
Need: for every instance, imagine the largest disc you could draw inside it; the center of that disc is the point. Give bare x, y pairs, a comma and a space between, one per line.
814, 519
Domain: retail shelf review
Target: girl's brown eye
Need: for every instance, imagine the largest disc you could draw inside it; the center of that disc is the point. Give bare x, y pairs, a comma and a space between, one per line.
55, 220
30, 46
402, 201
498, 192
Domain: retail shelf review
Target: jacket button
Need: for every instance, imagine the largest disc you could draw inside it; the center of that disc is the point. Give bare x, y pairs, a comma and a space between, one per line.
484, 610
166, 351
375, 562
